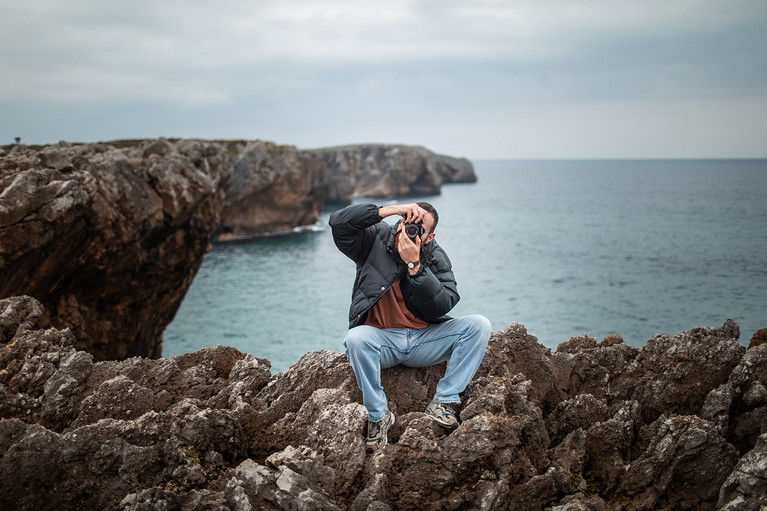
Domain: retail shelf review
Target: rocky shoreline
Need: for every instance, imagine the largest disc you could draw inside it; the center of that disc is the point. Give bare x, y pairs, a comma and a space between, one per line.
109, 236
677, 424
100, 242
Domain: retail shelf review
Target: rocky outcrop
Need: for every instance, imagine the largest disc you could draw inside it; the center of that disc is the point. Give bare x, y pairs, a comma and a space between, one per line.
388, 171
109, 238
273, 189
559, 430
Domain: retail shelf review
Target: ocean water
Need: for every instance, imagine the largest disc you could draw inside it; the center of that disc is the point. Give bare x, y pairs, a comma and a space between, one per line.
566, 248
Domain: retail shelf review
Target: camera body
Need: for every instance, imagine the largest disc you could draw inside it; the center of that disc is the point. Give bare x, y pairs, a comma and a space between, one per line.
414, 231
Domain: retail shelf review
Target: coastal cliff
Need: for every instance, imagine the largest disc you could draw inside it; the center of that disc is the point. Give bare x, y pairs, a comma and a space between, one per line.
388, 171
272, 189
109, 236
677, 424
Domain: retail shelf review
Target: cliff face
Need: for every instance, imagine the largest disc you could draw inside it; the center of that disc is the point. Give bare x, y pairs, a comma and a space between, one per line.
108, 238
388, 171
677, 424
272, 189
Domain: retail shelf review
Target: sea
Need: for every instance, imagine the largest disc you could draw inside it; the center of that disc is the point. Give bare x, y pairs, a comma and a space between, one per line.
566, 248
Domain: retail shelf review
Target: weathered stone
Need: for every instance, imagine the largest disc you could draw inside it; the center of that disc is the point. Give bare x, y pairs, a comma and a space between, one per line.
581, 365
514, 351
273, 189
759, 338
659, 376
389, 171
739, 407
684, 465
214, 430
107, 239
746, 487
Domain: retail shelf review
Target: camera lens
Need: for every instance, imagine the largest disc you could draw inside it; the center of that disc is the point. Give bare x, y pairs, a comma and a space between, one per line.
413, 230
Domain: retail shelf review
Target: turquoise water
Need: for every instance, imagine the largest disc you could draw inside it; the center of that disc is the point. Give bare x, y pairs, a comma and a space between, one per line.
564, 247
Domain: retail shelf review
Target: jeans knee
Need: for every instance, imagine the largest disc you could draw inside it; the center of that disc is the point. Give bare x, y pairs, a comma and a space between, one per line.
355, 341
481, 328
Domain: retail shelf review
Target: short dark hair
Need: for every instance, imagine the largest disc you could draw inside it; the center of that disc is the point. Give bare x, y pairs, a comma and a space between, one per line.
430, 209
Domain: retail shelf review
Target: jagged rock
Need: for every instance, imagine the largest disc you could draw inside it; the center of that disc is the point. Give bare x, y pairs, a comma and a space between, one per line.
515, 351
746, 488
583, 366
580, 502
683, 466
389, 171
273, 189
214, 430
738, 408
609, 446
659, 376
580, 412
759, 338
109, 239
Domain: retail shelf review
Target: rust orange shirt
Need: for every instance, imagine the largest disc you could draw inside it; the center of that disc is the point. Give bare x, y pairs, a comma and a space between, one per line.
390, 311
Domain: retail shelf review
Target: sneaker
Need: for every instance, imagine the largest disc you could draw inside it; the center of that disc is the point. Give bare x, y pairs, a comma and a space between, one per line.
378, 431
444, 414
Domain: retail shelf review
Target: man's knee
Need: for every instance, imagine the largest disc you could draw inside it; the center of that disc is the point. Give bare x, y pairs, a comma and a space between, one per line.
357, 339
480, 328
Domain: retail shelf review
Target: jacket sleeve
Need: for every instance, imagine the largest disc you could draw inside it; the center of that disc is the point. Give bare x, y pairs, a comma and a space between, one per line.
432, 292
353, 231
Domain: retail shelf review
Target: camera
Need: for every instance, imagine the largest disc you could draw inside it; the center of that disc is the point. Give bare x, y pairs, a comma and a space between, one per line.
414, 231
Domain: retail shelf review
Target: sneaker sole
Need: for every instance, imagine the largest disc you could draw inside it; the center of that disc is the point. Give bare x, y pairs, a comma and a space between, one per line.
447, 425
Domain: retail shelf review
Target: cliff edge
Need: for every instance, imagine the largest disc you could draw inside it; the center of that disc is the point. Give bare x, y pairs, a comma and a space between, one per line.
109, 236
677, 424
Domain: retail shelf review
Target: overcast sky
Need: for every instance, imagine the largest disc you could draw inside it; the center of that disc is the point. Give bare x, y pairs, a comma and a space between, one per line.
473, 78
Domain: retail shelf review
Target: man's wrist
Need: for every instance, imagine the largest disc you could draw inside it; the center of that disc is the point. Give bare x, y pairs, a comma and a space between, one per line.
412, 268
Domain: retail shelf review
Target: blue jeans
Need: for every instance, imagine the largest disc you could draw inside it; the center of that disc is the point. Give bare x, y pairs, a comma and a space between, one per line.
462, 341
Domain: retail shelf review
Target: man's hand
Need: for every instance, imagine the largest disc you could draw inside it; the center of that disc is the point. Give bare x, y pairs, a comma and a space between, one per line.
410, 213
409, 251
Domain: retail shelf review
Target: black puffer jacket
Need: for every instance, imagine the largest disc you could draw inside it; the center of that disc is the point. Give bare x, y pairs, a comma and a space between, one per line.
360, 233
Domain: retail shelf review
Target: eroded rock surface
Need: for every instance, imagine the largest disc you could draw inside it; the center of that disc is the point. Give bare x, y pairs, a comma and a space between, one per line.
273, 189
389, 171
540, 430
108, 238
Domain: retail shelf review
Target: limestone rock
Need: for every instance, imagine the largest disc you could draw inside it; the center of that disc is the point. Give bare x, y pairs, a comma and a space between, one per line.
684, 465
388, 171
659, 376
759, 338
273, 189
108, 238
215, 430
746, 487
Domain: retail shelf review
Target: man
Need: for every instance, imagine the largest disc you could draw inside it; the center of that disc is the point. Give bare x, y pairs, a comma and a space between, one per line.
402, 292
